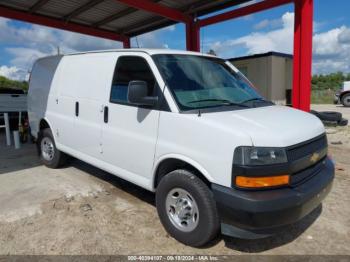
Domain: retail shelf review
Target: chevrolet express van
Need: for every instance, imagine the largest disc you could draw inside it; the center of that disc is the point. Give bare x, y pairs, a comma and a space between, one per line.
189, 127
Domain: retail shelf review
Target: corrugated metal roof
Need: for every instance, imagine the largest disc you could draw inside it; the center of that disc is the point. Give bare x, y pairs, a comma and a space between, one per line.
61, 7
101, 11
19, 4
114, 16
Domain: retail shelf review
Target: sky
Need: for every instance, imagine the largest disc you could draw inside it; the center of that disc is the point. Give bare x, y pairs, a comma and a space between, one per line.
272, 30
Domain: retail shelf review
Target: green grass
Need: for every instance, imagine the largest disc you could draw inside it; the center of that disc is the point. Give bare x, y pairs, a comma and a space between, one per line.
322, 96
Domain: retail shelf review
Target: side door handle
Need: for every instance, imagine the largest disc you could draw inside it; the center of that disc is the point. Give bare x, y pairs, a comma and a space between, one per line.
105, 114
76, 108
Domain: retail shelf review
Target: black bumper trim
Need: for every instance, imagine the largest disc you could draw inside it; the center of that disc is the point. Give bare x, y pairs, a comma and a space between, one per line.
276, 207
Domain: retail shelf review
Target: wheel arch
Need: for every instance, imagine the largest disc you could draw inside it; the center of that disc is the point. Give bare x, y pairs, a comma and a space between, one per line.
343, 94
43, 123
172, 162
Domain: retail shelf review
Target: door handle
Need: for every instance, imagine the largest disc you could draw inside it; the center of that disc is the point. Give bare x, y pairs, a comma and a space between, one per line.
76, 108
105, 114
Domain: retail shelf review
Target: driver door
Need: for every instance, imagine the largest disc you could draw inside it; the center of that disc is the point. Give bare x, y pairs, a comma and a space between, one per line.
129, 132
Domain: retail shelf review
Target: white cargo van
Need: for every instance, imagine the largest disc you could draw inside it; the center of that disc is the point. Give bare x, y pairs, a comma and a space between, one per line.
189, 127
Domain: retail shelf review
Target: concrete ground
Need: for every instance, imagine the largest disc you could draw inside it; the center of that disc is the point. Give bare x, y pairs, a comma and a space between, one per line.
80, 209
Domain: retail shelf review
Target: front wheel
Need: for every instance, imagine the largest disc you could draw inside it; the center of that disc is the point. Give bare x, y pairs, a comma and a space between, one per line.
346, 100
50, 156
187, 208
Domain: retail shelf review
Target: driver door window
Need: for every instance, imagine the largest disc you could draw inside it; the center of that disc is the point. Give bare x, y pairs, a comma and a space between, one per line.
130, 68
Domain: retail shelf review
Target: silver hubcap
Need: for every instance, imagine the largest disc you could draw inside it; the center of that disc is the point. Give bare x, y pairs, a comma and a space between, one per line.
182, 209
47, 149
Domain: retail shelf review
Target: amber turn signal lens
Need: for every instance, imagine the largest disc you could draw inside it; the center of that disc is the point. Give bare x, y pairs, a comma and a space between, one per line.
256, 182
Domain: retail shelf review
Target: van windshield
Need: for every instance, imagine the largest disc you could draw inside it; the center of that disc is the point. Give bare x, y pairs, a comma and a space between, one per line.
199, 82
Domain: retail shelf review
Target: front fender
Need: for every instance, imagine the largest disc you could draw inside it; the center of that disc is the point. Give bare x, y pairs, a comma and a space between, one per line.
183, 158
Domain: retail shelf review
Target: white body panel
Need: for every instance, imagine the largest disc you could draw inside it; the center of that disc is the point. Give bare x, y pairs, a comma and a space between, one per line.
209, 140
136, 140
41, 86
346, 86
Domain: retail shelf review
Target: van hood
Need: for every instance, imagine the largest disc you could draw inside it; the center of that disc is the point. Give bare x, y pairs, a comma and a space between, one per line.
277, 126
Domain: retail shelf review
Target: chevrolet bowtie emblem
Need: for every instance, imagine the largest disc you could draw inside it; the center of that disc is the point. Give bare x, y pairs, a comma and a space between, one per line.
314, 157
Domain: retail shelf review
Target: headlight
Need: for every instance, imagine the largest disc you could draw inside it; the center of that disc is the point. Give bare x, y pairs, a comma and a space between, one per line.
254, 156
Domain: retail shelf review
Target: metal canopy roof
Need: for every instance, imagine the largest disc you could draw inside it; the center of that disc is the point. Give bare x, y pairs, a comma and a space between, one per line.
114, 16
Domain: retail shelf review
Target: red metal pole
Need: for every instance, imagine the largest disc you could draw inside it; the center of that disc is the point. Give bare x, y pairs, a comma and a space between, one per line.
126, 43
302, 58
192, 37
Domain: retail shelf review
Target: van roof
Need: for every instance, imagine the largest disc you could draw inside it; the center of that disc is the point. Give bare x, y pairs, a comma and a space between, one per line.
145, 50
136, 50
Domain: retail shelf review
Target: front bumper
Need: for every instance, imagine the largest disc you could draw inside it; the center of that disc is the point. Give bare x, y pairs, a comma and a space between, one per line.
253, 214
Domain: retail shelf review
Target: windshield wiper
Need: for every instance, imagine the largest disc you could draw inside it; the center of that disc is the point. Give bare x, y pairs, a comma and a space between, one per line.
223, 102
255, 99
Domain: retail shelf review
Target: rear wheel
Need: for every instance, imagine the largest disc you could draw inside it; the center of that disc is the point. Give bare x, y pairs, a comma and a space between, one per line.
187, 208
346, 100
50, 156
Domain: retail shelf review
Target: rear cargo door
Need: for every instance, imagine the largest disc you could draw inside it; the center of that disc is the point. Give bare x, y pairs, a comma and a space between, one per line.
89, 76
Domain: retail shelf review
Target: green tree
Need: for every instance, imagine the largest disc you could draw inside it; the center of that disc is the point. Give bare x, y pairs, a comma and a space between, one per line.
332, 81
8, 83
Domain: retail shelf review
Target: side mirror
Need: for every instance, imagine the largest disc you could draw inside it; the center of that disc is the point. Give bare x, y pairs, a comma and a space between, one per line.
137, 94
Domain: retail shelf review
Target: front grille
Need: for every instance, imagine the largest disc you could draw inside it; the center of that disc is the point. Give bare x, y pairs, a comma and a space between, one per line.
306, 174
306, 148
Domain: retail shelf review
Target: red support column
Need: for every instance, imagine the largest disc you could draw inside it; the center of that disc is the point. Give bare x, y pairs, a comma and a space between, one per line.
302, 58
192, 37
126, 42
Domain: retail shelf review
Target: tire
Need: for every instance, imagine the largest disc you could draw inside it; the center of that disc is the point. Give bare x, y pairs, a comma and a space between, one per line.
346, 100
202, 207
315, 113
329, 116
343, 122
50, 156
